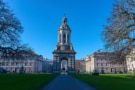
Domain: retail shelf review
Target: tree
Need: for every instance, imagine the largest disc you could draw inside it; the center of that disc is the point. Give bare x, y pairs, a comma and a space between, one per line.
10, 27
119, 33
22, 52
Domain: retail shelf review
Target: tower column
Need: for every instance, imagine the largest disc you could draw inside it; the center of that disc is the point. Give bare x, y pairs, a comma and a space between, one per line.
59, 37
62, 38
69, 38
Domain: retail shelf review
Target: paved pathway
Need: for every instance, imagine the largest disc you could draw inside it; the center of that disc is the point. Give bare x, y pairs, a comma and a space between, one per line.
66, 82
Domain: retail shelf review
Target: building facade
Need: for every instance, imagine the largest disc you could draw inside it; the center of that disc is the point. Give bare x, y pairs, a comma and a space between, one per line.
101, 62
130, 60
20, 63
80, 66
47, 66
64, 54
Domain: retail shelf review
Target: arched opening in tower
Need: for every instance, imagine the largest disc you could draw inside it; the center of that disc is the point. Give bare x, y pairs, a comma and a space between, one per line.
64, 66
64, 38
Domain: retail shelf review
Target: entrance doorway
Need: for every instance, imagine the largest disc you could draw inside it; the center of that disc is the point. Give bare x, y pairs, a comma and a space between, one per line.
64, 66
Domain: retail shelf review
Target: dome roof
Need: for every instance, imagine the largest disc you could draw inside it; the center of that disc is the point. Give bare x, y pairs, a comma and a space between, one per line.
64, 25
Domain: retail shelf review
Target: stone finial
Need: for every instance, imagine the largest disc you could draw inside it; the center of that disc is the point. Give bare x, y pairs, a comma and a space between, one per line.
64, 20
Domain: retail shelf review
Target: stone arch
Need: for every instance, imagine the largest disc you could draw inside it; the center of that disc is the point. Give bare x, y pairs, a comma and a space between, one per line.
64, 64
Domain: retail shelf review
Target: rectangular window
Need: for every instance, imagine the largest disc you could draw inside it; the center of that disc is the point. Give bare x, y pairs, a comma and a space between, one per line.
12, 63
16, 63
30, 63
101, 64
3, 63
25, 64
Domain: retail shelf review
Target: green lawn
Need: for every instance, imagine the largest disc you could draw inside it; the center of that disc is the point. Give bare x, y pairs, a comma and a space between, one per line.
24, 81
109, 81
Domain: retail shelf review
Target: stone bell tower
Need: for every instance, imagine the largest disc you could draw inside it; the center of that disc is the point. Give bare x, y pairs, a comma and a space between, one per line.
64, 54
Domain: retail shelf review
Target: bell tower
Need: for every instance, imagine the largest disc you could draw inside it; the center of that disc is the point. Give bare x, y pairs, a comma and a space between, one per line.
64, 33
64, 54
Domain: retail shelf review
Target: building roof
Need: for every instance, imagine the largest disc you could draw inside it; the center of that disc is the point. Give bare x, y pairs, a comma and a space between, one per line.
64, 25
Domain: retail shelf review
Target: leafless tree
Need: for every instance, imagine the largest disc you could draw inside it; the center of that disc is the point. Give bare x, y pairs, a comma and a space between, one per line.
10, 30
119, 33
10, 27
23, 52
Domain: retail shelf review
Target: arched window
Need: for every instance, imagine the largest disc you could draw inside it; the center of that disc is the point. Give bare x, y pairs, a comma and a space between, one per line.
64, 38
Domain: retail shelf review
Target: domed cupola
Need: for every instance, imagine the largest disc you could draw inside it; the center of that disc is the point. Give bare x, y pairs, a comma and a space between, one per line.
64, 33
64, 25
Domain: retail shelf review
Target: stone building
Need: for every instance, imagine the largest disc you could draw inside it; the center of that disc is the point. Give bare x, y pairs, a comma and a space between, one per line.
101, 62
47, 66
80, 66
20, 62
130, 60
64, 54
